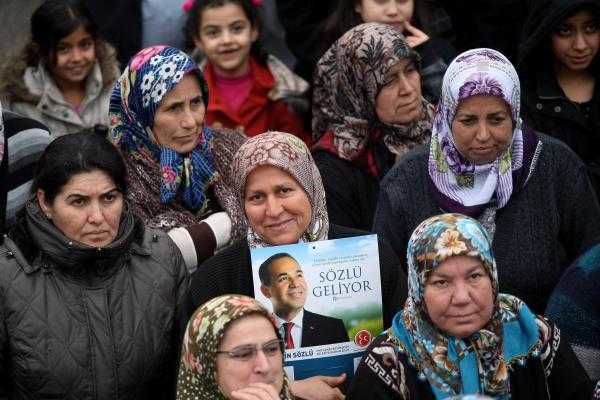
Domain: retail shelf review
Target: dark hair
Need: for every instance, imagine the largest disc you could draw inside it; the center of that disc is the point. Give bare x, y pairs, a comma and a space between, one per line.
55, 19
192, 24
76, 153
264, 271
341, 21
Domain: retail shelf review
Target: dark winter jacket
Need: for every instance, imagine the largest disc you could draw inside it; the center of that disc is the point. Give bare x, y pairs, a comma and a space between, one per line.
539, 232
85, 323
546, 108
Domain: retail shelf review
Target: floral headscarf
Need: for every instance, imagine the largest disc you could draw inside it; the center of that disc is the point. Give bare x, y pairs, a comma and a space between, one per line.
151, 74
462, 186
1, 135
198, 368
479, 363
347, 81
287, 152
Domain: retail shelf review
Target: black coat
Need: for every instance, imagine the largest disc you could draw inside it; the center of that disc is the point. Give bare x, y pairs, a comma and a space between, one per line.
546, 108
82, 323
230, 271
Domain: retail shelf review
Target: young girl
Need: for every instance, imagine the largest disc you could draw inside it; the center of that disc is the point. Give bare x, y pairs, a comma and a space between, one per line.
250, 90
64, 75
558, 67
413, 19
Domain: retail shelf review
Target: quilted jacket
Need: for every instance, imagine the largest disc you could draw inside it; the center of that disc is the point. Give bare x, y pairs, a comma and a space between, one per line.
84, 323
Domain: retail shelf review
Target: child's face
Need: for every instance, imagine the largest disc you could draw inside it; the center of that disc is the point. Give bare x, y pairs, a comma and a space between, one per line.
575, 41
75, 55
225, 36
391, 12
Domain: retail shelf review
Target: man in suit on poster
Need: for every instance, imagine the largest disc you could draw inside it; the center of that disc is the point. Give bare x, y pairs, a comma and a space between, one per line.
283, 283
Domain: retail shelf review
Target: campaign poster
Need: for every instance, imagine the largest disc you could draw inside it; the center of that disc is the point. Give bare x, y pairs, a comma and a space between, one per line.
325, 297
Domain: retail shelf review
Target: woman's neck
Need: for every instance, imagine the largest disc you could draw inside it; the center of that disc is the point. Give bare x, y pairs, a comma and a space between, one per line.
578, 86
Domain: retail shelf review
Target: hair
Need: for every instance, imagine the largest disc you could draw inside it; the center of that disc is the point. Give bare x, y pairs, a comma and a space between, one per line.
264, 271
77, 153
192, 24
52, 21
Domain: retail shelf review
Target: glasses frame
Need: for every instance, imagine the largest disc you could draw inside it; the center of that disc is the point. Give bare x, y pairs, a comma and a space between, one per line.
255, 349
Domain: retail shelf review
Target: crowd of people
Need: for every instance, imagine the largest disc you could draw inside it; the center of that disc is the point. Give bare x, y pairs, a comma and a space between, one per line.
132, 195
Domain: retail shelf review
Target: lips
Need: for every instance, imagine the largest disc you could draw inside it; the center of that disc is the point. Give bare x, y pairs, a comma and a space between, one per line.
279, 225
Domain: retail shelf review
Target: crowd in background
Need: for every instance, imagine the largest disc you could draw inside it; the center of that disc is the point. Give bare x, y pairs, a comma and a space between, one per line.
148, 146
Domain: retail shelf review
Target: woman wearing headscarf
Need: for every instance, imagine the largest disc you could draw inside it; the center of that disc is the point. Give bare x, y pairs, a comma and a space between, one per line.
280, 195
367, 113
157, 119
530, 192
232, 350
458, 335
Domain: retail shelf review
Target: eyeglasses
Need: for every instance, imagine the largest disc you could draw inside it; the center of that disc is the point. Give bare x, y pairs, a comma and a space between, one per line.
246, 353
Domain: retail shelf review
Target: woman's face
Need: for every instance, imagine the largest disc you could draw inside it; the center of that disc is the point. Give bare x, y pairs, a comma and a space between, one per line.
399, 101
576, 40
482, 128
179, 117
75, 55
243, 337
276, 205
226, 36
87, 209
390, 12
458, 296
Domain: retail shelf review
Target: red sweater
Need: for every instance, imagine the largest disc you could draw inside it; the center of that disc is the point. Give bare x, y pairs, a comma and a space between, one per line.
258, 113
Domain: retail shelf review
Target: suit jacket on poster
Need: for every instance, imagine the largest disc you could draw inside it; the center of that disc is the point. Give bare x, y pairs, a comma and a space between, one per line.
319, 329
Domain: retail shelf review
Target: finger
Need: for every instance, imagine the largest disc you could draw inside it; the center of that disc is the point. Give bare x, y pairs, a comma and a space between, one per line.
259, 391
333, 380
269, 389
337, 394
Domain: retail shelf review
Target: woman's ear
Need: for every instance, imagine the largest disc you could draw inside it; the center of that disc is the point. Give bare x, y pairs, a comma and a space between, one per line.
254, 34
41, 198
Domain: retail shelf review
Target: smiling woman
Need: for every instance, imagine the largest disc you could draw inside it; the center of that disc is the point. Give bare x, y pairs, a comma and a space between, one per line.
82, 249
279, 192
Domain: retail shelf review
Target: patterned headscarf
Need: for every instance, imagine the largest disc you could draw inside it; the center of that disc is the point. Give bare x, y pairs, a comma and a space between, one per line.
150, 75
347, 81
462, 186
287, 152
1, 135
479, 363
198, 368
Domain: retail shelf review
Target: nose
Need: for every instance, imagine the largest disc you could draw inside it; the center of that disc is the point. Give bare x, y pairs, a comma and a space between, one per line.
261, 362
580, 41
95, 215
392, 9
461, 295
76, 54
483, 132
188, 120
274, 207
227, 36
404, 85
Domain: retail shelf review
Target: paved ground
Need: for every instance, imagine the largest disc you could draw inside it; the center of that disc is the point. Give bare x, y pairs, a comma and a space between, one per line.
14, 25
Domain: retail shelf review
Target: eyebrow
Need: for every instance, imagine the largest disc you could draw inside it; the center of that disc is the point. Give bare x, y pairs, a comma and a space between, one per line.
85, 196
286, 274
444, 276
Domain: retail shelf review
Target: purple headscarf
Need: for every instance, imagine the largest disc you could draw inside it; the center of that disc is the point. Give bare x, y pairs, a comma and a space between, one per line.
460, 185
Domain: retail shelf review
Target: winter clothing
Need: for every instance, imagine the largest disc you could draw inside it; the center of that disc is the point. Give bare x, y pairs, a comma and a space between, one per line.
203, 335
575, 307
538, 233
22, 142
88, 323
32, 92
482, 362
546, 107
168, 189
267, 105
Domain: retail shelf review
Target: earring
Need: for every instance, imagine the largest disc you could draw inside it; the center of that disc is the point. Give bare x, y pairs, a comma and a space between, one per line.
48, 216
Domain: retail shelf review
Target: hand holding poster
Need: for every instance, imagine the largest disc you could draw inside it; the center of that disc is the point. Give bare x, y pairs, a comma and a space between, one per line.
326, 300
